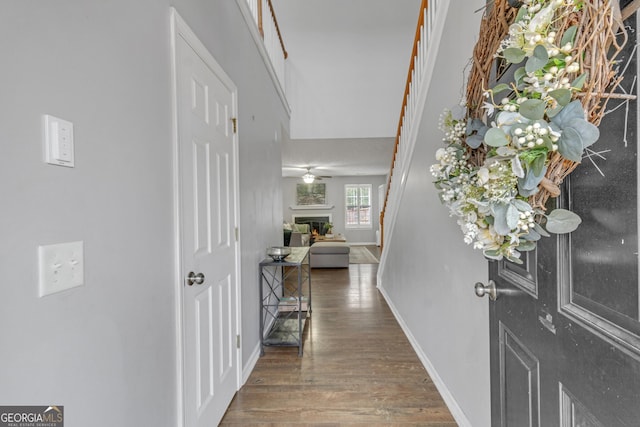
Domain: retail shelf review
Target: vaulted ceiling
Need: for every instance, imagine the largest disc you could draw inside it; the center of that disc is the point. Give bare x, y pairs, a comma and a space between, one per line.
358, 52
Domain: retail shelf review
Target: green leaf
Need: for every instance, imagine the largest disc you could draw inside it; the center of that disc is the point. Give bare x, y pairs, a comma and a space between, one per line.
474, 125
561, 221
538, 164
528, 185
518, 75
533, 109
500, 223
532, 235
570, 145
563, 96
474, 141
495, 138
522, 12
500, 87
572, 111
514, 55
579, 81
589, 133
526, 245
521, 205
541, 230
512, 216
569, 35
553, 111
514, 259
538, 60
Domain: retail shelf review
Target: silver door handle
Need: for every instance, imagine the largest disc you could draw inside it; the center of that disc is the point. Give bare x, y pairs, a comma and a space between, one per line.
490, 289
192, 278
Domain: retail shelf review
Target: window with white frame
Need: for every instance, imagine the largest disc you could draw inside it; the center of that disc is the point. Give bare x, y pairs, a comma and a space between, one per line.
357, 206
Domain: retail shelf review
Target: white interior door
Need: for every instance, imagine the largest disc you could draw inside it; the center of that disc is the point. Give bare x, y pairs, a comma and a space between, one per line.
205, 100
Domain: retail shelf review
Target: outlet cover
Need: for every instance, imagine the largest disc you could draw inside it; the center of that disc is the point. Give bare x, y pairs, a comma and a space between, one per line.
61, 267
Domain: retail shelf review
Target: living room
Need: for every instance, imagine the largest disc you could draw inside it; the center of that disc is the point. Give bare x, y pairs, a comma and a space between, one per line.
334, 206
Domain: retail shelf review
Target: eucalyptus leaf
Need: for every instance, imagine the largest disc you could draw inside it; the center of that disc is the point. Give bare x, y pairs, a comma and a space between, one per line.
532, 235
514, 260
569, 35
492, 254
541, 230
563, 96
561, 221
570, 145
551, 112
512, 216
500, 223
508, 118
528, 185
579, 81
589, 133
526, 192
573, 110
533, 109
495, 137
474, 141
518, 75
526, 245
538, 164
500, 87
514, 55
521, 205
538, 60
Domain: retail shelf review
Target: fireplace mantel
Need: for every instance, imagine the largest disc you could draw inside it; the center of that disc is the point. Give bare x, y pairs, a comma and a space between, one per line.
310, 207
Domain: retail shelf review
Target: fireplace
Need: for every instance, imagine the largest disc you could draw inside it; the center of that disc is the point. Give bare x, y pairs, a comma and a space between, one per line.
316, 222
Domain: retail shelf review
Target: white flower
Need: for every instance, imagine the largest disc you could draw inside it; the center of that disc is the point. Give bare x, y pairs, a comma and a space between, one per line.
483, 175
542, 19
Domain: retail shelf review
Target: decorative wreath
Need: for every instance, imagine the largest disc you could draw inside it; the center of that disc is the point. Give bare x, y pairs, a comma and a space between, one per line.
511, 147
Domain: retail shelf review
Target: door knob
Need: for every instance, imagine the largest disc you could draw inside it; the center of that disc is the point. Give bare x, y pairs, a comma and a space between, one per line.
490, 289
192, 278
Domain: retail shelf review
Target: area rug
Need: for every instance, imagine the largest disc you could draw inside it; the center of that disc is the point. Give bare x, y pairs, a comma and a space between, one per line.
361, 255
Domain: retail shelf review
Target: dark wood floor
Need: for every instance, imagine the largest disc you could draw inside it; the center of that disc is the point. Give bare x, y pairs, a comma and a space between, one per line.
358, 368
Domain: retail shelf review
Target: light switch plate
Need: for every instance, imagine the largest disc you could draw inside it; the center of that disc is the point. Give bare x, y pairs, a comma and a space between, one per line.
61, 267
58, 142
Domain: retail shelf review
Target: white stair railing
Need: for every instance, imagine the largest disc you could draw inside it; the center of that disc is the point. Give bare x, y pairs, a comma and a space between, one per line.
261, 19
418, 80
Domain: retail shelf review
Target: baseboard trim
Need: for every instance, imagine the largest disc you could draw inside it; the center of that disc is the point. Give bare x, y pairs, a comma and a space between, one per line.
251, 364
452, 404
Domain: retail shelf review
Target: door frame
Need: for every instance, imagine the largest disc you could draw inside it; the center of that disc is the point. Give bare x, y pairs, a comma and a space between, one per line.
179, 28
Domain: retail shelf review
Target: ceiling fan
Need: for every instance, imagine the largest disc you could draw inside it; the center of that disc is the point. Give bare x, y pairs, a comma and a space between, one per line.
308, 177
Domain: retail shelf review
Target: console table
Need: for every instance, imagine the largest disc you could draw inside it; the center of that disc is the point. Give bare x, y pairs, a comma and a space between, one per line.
285, 299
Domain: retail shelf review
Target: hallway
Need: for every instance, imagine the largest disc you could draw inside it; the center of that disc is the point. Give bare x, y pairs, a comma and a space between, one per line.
358, 367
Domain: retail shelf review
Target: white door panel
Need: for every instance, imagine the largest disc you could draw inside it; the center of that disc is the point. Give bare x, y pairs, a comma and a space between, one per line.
207, 186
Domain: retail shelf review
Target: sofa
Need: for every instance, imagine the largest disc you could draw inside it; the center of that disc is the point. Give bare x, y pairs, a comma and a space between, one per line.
329, 255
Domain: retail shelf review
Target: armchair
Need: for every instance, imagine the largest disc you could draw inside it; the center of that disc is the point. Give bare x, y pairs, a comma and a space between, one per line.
300, 235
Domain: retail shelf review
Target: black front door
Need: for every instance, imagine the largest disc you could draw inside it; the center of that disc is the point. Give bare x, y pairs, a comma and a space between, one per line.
565, 329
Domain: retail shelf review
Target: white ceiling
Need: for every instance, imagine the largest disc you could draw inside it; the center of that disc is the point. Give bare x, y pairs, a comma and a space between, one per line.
337, 157
360, 20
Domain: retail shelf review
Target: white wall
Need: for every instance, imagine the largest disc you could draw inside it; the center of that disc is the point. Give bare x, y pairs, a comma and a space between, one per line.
429, 272
343, 84
106, 351
335, 197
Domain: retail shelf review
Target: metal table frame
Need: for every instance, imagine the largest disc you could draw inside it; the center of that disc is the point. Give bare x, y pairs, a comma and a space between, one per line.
285, 327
